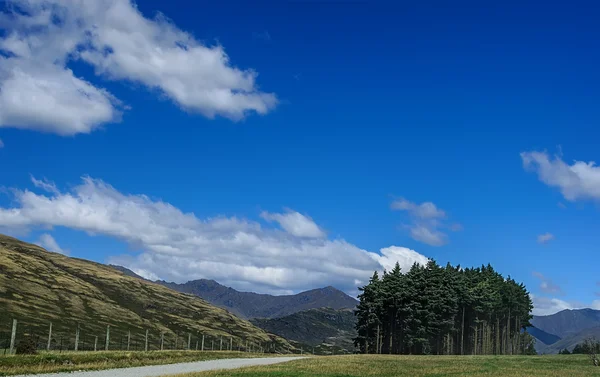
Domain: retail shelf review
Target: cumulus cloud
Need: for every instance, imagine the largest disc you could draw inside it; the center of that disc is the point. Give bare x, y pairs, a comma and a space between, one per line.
547, 306
546, 284
38, 91
545, 238
179, 246
49, 243
295, 223
578, 181
426, 221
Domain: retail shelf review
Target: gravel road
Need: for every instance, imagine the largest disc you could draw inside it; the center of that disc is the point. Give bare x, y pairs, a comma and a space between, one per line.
162, 370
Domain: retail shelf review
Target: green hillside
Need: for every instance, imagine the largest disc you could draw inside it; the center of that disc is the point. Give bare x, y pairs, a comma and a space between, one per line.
314, 327
38, 287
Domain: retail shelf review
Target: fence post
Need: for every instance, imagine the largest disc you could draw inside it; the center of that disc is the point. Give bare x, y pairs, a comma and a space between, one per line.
49, 337
162, 340
176, 338
13, 337
230, 343
247, 345
77, 338
96, 343
128, 339
221, 343
107, 337
202, 349
146, 341
189, 341
212, 345
196, 344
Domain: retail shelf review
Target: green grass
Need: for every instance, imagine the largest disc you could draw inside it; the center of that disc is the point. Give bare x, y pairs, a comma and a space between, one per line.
48, 362
420, 366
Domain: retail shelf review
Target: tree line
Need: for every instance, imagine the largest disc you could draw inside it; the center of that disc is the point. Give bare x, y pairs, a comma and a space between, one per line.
443, 310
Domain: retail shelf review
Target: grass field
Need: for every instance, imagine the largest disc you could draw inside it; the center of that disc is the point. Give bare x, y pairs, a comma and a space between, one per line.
70, 361
420, 366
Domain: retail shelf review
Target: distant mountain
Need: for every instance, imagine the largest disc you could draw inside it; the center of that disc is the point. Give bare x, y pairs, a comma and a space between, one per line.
567, 322
564, 329
314, 327
571, 341
255, 305
542, 336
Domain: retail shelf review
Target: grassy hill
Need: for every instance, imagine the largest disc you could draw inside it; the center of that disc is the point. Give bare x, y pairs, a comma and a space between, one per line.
255, 305
314, 327
38, 287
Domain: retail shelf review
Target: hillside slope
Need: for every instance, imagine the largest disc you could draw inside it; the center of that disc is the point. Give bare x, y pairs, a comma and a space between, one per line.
567, 322
254, 305
38, 287
572, 340
313, 327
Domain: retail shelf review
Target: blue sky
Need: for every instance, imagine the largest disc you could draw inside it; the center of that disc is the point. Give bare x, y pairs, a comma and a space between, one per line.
282, 146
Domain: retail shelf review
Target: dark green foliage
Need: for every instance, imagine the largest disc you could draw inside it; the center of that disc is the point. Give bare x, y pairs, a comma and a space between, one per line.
444, 311
587, 347
27, 346
564, 352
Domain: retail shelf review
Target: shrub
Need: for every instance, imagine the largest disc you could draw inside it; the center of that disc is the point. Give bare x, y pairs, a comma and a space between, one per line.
27, 346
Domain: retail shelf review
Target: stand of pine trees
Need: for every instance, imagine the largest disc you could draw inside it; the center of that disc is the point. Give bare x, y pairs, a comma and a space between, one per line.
443, 310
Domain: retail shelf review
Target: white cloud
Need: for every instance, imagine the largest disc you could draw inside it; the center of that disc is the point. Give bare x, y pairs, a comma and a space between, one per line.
179, 246
545, 238
547, 306
578, 181
427, 220
404, 256
49, 243
44, 184
546, 284
1, 144
38, 91
295, 224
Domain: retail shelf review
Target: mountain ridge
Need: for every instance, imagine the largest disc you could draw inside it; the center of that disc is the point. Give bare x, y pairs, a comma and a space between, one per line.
261, 305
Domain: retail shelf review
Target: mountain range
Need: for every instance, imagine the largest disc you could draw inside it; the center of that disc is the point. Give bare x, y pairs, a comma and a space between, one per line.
564, 329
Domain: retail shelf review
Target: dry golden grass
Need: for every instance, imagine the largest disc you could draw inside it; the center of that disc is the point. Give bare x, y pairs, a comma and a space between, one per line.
39, 287
47, 362
420, 366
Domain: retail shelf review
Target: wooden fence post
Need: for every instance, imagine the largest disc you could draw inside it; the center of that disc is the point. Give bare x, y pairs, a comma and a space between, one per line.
49, 338
146, 341
13, 337
77, 338
221, 344
128, 339
162, 340
95, 343
202, 349
107, 337
189, 341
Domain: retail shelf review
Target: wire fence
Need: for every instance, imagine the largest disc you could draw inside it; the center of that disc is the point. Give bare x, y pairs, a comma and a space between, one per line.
56, 337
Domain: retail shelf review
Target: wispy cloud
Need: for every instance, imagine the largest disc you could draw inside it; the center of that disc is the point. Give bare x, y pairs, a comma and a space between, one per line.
545, 238
578, 181
426, 221
546, 284
49, 243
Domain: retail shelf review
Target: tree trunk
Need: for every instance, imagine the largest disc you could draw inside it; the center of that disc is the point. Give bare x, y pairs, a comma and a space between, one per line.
377, 341
462, 333
475, 341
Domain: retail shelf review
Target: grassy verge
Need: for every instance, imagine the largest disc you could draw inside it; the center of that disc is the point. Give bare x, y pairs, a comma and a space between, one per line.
420, 366
48, 362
